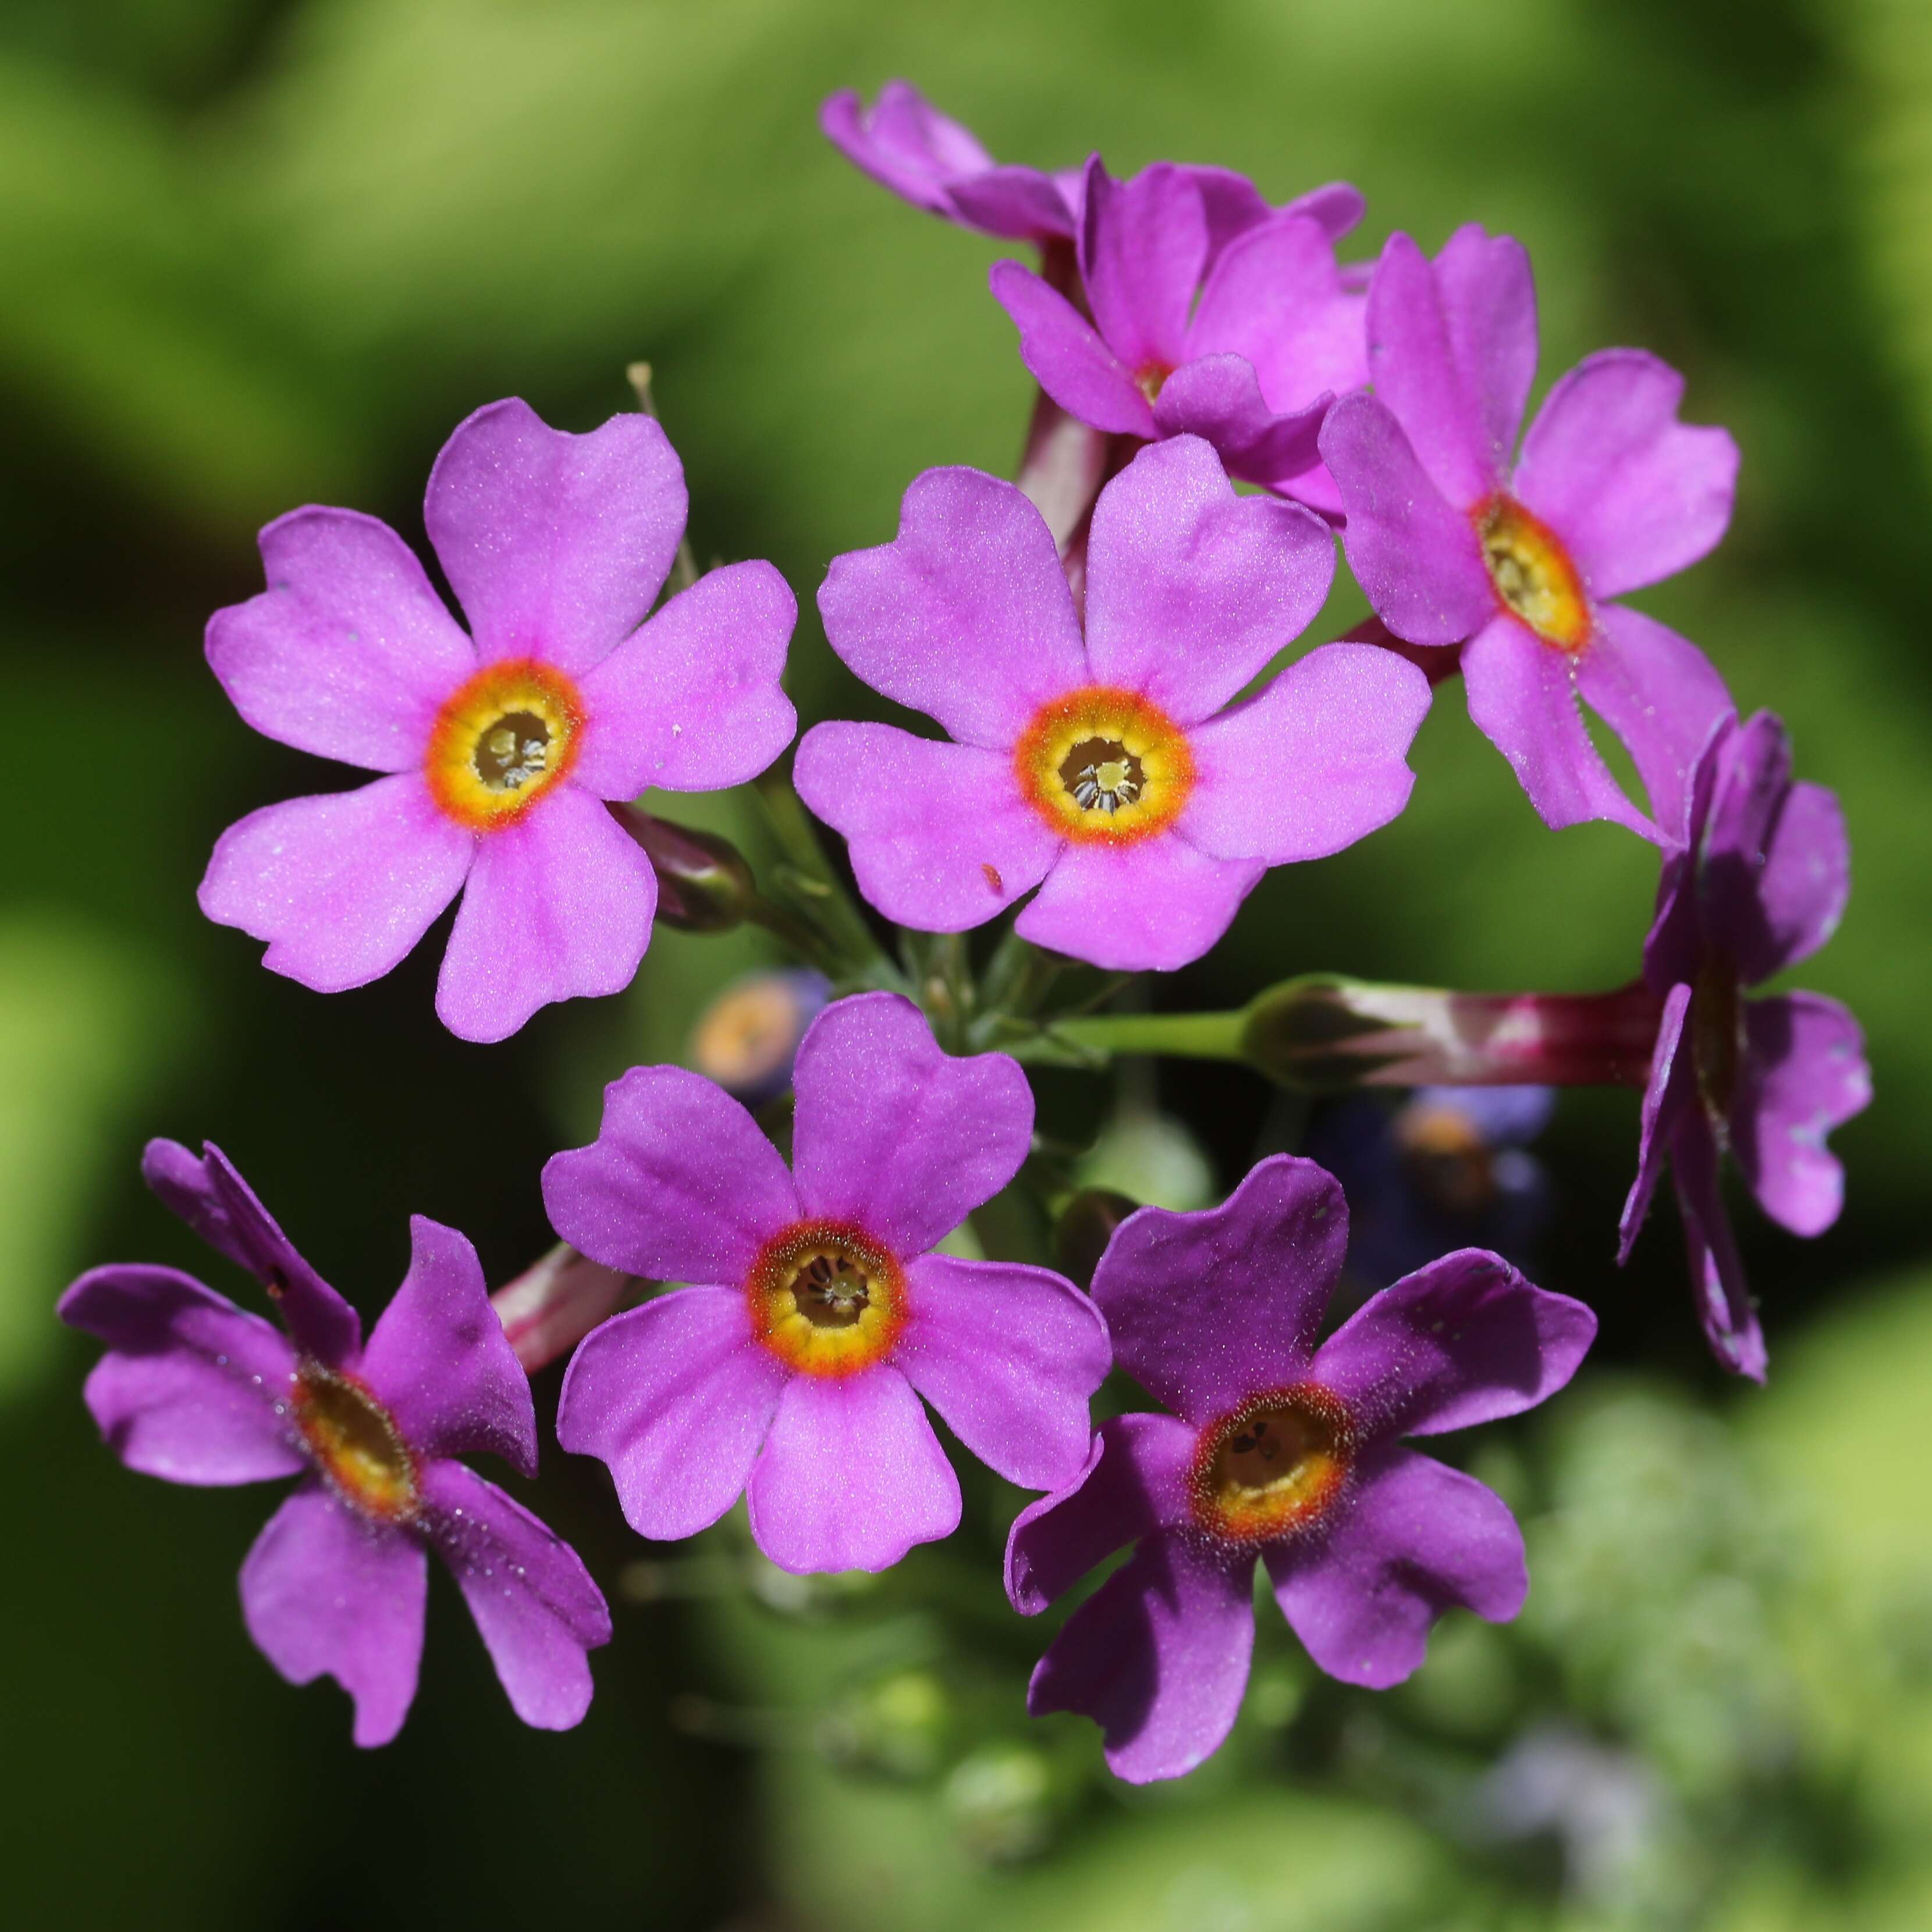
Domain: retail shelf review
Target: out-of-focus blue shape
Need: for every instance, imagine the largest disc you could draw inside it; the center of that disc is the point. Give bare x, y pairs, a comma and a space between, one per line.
747, 1038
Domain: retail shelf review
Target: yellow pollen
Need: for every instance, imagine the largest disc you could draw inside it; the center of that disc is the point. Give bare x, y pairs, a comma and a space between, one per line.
1105, 765
356, 1444
826, 1298
1274, 1466
501, 740
1533, 577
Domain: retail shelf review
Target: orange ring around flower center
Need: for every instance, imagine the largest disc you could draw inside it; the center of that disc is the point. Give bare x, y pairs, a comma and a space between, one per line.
1105, 766
826, 1298
1534, 579
1274, 1465
355, 1444
503, 738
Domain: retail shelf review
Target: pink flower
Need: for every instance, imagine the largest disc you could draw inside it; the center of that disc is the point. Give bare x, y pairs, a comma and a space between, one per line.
498, 746
1104, 764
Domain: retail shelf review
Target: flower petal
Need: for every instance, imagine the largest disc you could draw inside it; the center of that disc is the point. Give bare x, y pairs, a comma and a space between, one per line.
207, 1193
439, 1361
1218, 398
558, 907
903, 143
1191, 590
1523, 698
1452, 352
1314, 763
941, 839
1154, 905
1157, 1656
691, 702
679, 1185
1143, 244
1464, 1339
1724, 1304
556, 544
965, 615
1065, 356
1209, 1308
1775, 870
1009, 1356
1015, 204
1802, 1072
674, 1396
891, 1131
1413, 1538
852, 1475
1135, 1481
1635, 495
342, 885
189, 1387
325, 1593
1415, 556
349, 653
1661, 696
1672, 1087
535, 1607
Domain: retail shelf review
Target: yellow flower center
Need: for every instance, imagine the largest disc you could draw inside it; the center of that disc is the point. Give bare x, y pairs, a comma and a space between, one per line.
1273, 1466
826, 1299
503, 738
356, 1444
1105, 765
1532, 573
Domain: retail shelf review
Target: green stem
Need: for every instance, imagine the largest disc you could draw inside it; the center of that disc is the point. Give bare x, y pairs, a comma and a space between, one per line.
1102, 1036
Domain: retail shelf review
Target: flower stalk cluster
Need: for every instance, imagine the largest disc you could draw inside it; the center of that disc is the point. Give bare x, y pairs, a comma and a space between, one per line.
1123, 730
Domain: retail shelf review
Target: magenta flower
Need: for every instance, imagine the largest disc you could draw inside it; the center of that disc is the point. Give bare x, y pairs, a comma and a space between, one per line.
1102, 764
193, 1389
1760, 884
1610, 492
1252, 365
904, 141
792, 1369
499, 746
1282, 1450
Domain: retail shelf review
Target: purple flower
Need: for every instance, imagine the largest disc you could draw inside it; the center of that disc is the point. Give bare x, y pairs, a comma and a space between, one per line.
499, 746
1252, 365
904, 141
1282, 1450
1610, 492
1448, 1169
193, 1389
792, 1369
1760, 884
1105, 764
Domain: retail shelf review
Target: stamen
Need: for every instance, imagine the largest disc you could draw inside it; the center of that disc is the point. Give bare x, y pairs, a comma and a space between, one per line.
513, 751
826, 1298
1105, 764
356, 1444
501, 740
1274, 1466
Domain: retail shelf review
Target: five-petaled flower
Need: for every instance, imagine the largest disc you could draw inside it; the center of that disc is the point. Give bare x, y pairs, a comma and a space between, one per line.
499, 746
1610, 492
195, 1390
1102, 768
1280, 1450
792, 1368
1761, 884
1243, 335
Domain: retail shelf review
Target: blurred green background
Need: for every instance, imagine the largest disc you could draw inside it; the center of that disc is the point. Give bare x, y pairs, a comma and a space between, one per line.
257, 253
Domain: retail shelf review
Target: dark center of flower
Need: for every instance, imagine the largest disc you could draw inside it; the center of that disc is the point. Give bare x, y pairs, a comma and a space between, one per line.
1274, 1465
1150, 380
513, 751
355, 1444
1533, 574
1102, 774
1717, 1033
831, 1292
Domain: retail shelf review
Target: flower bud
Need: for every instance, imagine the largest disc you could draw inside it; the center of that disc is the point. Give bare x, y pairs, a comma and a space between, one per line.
703, 883
553, 1304
1085, 1226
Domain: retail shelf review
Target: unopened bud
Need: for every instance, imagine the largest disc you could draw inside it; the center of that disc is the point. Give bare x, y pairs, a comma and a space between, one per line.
551, 1306
1085, 1226
703, 883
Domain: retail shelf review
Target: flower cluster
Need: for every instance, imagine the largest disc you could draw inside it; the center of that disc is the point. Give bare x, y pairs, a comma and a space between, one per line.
765, 1306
